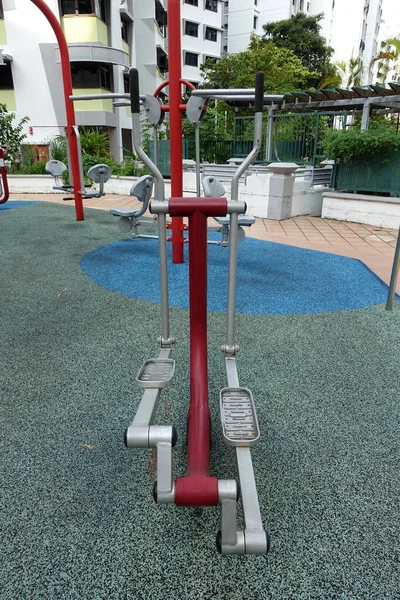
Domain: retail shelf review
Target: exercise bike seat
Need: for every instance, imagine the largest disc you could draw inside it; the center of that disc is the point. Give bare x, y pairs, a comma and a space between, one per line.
124, 212
243, 220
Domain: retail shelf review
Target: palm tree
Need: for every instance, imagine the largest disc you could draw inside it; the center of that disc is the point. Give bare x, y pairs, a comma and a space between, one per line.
389, 58
350, 72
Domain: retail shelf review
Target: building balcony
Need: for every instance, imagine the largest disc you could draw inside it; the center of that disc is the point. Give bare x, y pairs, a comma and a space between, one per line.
96, 53
85, 29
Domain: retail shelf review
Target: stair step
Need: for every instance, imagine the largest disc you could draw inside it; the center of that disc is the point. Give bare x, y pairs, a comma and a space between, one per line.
156, 373
238, 417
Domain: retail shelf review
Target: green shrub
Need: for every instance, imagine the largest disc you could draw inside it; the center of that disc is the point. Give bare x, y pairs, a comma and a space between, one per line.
351, 146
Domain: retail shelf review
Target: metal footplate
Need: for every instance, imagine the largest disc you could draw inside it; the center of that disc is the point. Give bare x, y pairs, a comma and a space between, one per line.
240, 430
238, 417
156, 373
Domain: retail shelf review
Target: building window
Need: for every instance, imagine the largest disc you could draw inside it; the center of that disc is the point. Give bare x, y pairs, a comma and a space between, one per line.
191, 29
255, 22
162, 61
255, 2
192, 2
191, 59
301, 4
91, 75
211, 34
1, 10
6, 80
212, 5
211, 60
125, 30
84, 7
126, 84
161, 15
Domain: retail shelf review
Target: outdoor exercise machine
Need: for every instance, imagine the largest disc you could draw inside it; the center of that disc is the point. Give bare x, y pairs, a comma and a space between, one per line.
238, 415
4, 192
99, 173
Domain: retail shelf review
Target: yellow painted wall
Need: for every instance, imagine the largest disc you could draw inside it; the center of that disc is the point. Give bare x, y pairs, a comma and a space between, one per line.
3, 36
7, 97
85, 29
126, 48
92, 105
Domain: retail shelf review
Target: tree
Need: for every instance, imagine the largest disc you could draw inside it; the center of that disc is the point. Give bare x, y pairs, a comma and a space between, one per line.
388, 58
301, 34
283, 70
350, 72
11, 135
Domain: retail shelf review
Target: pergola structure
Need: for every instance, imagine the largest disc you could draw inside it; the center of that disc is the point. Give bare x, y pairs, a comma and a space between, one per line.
365, 99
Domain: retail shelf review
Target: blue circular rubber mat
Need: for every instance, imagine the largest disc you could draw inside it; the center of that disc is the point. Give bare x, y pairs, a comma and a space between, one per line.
11, 204
271, 278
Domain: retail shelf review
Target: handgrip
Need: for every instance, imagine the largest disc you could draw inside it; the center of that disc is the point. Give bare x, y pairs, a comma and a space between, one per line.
134, 91
259, 98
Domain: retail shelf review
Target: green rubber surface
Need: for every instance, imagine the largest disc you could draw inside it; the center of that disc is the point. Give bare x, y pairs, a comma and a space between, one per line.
77, 518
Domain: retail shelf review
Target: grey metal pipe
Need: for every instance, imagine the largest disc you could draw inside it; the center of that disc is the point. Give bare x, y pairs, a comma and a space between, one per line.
394, 275
162, 223
269, 135
155, 145
108, 96
137, 145
249, 98
233, 229
197, 147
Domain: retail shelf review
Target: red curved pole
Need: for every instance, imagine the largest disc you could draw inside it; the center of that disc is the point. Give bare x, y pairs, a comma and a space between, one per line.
69, 106
6, 193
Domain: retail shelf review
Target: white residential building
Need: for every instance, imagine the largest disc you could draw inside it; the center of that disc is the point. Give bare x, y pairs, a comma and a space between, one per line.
201, 35
351, 27
105, 37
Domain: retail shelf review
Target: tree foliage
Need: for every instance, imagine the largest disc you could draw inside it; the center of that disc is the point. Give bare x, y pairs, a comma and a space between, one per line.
350, 72
11, 133
388, 59
283, 69
381, 139
301, 34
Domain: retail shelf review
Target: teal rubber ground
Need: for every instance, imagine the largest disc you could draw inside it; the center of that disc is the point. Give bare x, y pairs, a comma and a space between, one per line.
77, 519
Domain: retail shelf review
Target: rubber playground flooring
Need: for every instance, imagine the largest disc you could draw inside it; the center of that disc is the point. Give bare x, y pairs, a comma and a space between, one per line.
77, 518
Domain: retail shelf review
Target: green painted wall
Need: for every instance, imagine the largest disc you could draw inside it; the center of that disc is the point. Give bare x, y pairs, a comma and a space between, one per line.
85, 29
92, 105
3, 36
7, 97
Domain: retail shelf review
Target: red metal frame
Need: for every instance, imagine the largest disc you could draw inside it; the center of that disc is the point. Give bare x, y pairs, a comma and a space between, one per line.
3, 172
175, 98
198, 488
69, 106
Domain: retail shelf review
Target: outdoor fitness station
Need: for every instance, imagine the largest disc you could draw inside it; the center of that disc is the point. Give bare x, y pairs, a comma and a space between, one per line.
238, 415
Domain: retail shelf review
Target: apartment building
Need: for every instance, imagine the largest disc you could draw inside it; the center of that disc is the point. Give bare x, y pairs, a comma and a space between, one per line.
201, 35
100, 40
351, 28
105, 37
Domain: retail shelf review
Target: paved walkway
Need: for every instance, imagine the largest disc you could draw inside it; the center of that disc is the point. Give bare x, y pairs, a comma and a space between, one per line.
373, 245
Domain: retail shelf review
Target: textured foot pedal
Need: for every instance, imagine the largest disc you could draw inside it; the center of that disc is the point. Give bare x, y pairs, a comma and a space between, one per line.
156, 373
238, 417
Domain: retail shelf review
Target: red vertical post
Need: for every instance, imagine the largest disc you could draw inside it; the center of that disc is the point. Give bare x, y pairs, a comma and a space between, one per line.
175, 99
69, 106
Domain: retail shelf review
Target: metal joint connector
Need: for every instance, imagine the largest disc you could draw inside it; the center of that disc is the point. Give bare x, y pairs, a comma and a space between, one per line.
230, 350
236, 206
158, 207
169, 343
